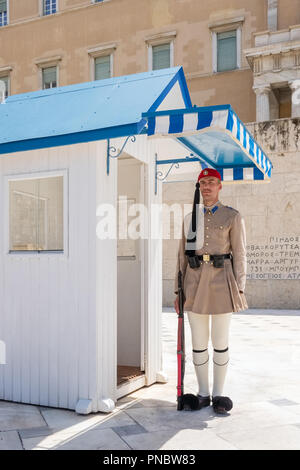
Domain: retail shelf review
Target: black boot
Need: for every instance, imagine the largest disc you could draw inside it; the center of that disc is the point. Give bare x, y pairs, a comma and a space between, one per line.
222, 405
203, 401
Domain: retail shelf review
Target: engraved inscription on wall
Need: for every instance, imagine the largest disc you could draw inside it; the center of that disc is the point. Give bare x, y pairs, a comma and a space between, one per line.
278, 258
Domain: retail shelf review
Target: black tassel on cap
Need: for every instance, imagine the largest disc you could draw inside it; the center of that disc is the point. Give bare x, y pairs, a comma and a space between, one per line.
193, 224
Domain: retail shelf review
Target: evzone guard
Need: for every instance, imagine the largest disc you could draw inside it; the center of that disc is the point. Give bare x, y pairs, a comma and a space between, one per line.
214, 279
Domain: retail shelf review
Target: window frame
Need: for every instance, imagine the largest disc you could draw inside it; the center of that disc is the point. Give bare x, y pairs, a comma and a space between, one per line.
7, 15
6, 200
6, 75
222, 27
159, 40
44, 67
101, 51
42, 8
46, 63
150, 53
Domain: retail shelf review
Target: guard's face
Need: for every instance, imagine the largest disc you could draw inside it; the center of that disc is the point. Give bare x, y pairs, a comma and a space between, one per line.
210, 187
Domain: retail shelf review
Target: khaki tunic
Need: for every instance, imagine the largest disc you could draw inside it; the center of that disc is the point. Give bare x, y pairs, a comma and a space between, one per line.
210, 290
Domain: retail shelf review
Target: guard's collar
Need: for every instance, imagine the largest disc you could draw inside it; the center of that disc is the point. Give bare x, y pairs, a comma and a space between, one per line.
212, 208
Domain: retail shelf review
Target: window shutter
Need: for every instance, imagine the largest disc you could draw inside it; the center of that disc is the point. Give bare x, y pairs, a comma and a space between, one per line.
5, 80
226, 51
49, 77
161, 56
3, 6
102, 67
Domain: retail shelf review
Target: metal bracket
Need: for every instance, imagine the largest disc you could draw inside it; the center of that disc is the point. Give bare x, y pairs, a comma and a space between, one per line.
159, 175
111, 149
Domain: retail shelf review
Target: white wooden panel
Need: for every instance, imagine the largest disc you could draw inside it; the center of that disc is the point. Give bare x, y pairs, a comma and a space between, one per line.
106, 284
48, 308
173, 99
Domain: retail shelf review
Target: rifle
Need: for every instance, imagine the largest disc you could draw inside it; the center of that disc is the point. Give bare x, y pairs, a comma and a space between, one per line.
186, 401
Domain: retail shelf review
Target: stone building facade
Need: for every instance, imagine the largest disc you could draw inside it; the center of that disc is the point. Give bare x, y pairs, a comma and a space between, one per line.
61, 42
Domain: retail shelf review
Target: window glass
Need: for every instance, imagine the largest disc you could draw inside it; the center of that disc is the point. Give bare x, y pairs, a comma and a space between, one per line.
36, 214
49, 7
3, 12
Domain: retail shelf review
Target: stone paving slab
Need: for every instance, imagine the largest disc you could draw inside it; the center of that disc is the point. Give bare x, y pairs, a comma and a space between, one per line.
35, 432
185, 439
14, 416
271, 438
69, 421
10, 440
99, 439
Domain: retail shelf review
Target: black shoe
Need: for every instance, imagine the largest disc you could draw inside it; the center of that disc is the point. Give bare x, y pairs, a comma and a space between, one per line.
222, 405
203, 401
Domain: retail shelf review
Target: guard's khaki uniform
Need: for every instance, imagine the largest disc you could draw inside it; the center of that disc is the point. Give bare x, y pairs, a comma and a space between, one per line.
210, 290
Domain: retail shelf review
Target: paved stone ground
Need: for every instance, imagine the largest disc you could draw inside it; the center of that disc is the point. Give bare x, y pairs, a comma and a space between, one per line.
263, 381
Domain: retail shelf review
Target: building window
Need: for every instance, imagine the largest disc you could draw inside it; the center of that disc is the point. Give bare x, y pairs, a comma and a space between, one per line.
49, 77
227, 44
161, 56
36, 214
3, 12
226, 51
161, 50
5, 80
102, 67
49, 7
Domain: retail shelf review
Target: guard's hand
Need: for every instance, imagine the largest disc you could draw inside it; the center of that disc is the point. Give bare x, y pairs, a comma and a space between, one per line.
176, 304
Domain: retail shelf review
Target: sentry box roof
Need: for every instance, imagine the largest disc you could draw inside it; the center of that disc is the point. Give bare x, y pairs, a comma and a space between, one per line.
213, 136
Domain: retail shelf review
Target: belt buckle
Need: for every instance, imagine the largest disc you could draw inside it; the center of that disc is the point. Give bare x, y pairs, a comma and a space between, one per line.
206, 258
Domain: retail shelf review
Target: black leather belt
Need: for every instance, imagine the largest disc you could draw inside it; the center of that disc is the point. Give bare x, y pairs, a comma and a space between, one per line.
216, 260
213, 257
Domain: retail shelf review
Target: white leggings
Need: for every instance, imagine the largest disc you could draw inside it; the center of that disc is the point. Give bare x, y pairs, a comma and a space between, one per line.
200, 330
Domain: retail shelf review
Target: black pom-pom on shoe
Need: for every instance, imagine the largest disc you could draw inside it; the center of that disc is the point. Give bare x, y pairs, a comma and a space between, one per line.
190, 402
222, 405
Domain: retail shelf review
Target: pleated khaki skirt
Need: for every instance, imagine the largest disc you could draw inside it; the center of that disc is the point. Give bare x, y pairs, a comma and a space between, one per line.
209, 290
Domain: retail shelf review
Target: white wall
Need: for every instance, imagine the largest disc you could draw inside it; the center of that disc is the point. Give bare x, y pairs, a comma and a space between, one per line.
48, 302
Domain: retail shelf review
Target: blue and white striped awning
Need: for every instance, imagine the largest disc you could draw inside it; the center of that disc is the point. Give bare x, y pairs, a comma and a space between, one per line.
217, 137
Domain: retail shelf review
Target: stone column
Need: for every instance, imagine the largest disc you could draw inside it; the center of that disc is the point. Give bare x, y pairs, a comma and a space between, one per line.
295, 87
262, 103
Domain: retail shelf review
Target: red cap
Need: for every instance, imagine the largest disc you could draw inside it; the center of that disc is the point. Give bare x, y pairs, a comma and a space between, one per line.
209, 172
